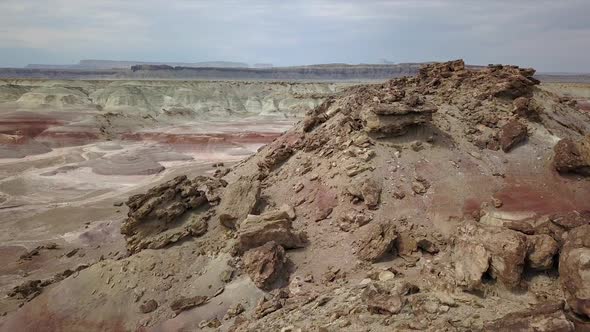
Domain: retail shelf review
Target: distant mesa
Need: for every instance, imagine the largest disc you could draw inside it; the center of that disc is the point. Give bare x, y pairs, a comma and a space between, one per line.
225, 70
114, 64
151, 67
263, 65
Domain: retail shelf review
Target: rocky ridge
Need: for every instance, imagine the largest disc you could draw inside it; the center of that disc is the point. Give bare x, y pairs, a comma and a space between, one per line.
451, 201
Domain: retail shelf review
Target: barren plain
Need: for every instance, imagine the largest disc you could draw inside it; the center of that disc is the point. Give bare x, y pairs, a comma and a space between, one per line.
72, 151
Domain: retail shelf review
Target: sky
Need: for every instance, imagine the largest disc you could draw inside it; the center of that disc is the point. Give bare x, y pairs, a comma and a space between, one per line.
551, 36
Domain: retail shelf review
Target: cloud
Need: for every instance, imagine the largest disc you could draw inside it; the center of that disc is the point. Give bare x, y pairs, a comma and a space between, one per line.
67, 24
551, 35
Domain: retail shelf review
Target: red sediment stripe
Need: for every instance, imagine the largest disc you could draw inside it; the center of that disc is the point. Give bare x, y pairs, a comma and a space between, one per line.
248, 137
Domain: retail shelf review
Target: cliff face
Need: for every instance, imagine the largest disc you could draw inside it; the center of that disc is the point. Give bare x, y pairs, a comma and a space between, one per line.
62, 112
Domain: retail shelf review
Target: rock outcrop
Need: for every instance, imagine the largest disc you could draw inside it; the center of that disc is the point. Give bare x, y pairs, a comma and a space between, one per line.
542, 249
572, 156
276, 226
393, 116
574, 270
500, 251
152, 220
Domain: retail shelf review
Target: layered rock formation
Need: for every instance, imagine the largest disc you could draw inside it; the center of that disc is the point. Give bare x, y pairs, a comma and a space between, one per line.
38, 115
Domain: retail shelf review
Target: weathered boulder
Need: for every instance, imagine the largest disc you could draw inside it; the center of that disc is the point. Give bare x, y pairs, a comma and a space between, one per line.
527, 108
420, 186
572, 156
520, 105
471, 260
276, 226
367, 190
504, 249
371, 192
541, 250
265, 264
375, 241
570, 220
381, 301
405, 243
547, 317
574, 270
239, 200
557, 225
552, 229
511, 134
152, 217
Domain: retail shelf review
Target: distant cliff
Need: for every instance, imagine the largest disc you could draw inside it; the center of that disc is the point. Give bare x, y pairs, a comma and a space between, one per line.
314, 72
328, 72
325, 72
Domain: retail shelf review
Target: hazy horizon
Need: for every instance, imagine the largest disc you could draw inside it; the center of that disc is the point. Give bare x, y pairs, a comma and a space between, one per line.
547, 35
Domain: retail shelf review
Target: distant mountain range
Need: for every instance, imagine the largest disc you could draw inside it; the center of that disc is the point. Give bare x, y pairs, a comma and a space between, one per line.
92, 64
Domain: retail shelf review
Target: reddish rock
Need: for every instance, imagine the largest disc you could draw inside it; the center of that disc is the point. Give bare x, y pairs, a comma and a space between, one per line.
520, 226
557, 232
520, 105
325, 202
265, 264
571, 220
511, 134
572, 156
